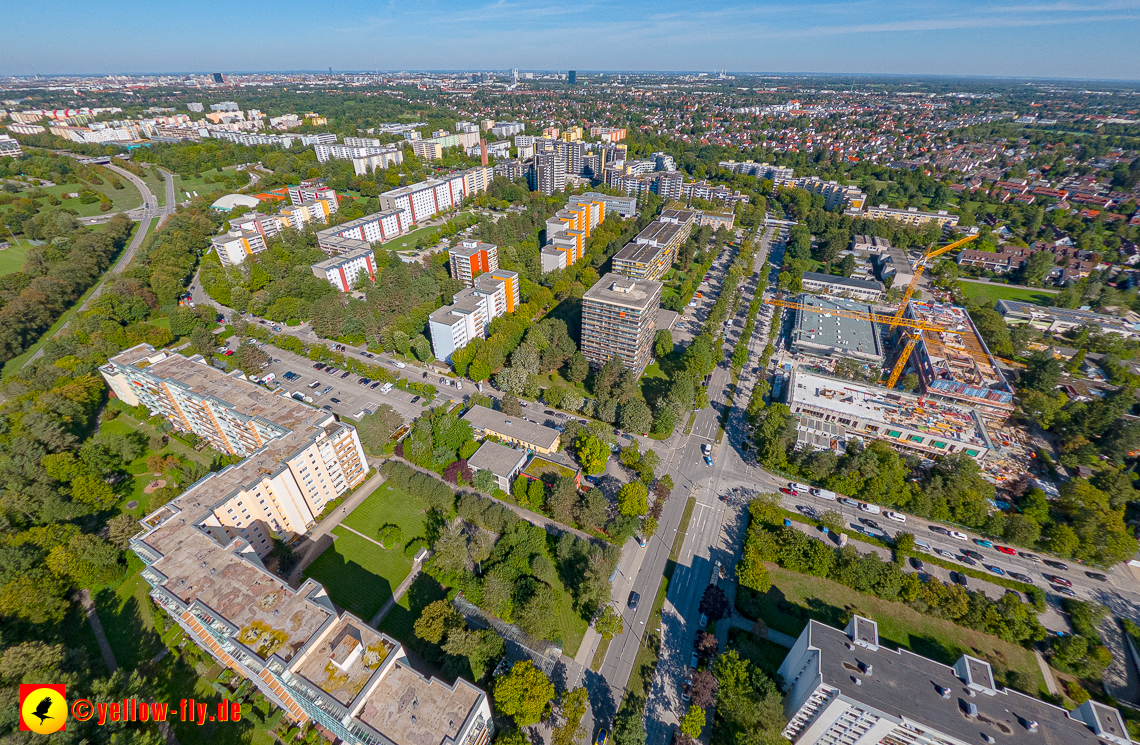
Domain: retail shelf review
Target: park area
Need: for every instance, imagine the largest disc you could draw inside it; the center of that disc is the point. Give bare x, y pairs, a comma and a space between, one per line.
979, 292
359, 574
796, 598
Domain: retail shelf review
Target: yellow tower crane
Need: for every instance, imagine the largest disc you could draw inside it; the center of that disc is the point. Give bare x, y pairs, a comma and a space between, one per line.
918, 268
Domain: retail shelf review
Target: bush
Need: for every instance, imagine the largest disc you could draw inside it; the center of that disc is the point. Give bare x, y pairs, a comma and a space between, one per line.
390, 536
414, 547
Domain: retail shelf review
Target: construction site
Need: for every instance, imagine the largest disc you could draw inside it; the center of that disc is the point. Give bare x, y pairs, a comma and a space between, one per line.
954, 364
831, 411
820, 332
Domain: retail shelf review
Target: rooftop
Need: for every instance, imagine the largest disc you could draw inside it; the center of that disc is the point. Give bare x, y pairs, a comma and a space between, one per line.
614, 289
343, 659
960, 364
344, 258
659, 233
833, 279
498, 459
556, 464
469, 248
887, 407
529, 432
827, 330
907, 686
639, 253
410, 709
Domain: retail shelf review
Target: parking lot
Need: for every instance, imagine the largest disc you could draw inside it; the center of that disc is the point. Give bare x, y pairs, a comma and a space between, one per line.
345, 397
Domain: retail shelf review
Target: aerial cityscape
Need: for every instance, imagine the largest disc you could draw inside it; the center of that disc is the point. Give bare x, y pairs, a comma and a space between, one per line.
410, 397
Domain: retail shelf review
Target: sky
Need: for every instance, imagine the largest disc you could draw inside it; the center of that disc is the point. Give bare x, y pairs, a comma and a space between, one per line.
1062, 39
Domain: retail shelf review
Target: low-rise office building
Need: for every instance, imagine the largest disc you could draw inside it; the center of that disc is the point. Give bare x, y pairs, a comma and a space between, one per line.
825, 334
868, 291
1061, 320
619, 317
846, 687
343, 270
515, 431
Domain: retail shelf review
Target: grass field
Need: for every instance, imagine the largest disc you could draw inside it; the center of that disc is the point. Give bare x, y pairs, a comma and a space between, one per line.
359, 575
127, 198
989, 293
408, 242
12, 258
795, 598
189, 184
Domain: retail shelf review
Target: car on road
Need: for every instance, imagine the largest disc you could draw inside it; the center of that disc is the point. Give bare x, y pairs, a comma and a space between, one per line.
966, 560
983, 543
1031, 557
399, 364
334, 400
939, 529
1021, 577
703, 621
789, 492
1066, 591
603, 738
641, 541
874, 509
896, 516
917, 564
708, 461
972, 554
1097, 576
959, 579
995, 569
870, 523
848, 501
1057, 580
634, 599
706, 449
1006, 550
1057, 564
959, 535
695, 660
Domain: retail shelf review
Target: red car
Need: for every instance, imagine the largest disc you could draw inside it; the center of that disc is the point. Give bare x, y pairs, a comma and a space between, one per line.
789, 492
1058, 580
228, 352
1006, 550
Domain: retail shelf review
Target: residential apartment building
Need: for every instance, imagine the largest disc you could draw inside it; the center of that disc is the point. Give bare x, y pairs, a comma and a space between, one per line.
428, 198
911, 216
9, 148
845, 687
716, 220
375, 228
472, 309
236, 244
297, 216
608, 134
624, 207
651, 253
309, 191
507, 129
382, 156
834, 193
759, 170
343, 270
869, 291
203, 554
1062, 320
567, 231
471, 258
521, 433
619, 316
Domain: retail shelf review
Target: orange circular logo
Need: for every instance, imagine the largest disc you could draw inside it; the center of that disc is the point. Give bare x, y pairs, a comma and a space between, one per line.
44, 709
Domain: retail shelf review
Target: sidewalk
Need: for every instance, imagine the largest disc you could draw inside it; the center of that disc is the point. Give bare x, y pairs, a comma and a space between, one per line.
314, 545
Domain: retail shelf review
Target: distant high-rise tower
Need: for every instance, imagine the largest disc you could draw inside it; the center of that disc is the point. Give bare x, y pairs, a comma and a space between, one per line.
515, 76
573, 76
218, 78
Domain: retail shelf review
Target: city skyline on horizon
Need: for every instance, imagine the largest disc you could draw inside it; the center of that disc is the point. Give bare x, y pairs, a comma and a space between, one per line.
1064, 39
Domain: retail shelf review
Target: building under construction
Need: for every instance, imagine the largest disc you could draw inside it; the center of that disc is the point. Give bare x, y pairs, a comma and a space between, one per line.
831, 411
955, 364
822, 333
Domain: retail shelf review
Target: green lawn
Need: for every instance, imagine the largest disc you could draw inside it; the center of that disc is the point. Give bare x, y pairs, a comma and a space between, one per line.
12, 258
796, 598
989, 293
184, 184
408, 242
127, 198
359, 575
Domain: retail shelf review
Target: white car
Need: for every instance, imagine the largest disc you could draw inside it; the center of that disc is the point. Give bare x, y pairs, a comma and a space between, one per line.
959, 535
896, 516
399, 364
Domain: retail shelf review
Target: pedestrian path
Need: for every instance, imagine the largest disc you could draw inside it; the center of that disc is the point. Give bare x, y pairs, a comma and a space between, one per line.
390, 603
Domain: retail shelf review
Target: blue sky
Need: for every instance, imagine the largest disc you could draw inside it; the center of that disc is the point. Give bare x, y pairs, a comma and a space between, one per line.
1067, 38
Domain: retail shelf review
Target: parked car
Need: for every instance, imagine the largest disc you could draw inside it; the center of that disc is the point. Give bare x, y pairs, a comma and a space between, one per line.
334, 400
375, 384
326, 389
972, 554
695, 660
319, 366
983, 543
967, 561
917, 564
228, 353
1066, 591
959, 579
1057, 580
1057, 564
345, 374
1097, 576
898, 517
848, 501
995, 569
703, 621
1021, 577
687, 690
1006, 550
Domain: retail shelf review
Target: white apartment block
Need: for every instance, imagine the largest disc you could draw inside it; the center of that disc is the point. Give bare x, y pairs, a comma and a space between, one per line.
843, 687
428, 198
308, 191
236, 244
203, 553
453, 326
343, 270
375, 228
297, 216
384, 155
911, 216
9, 148
507, 129
834, 193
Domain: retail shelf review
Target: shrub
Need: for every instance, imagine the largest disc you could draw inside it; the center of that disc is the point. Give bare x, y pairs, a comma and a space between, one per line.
391, 536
